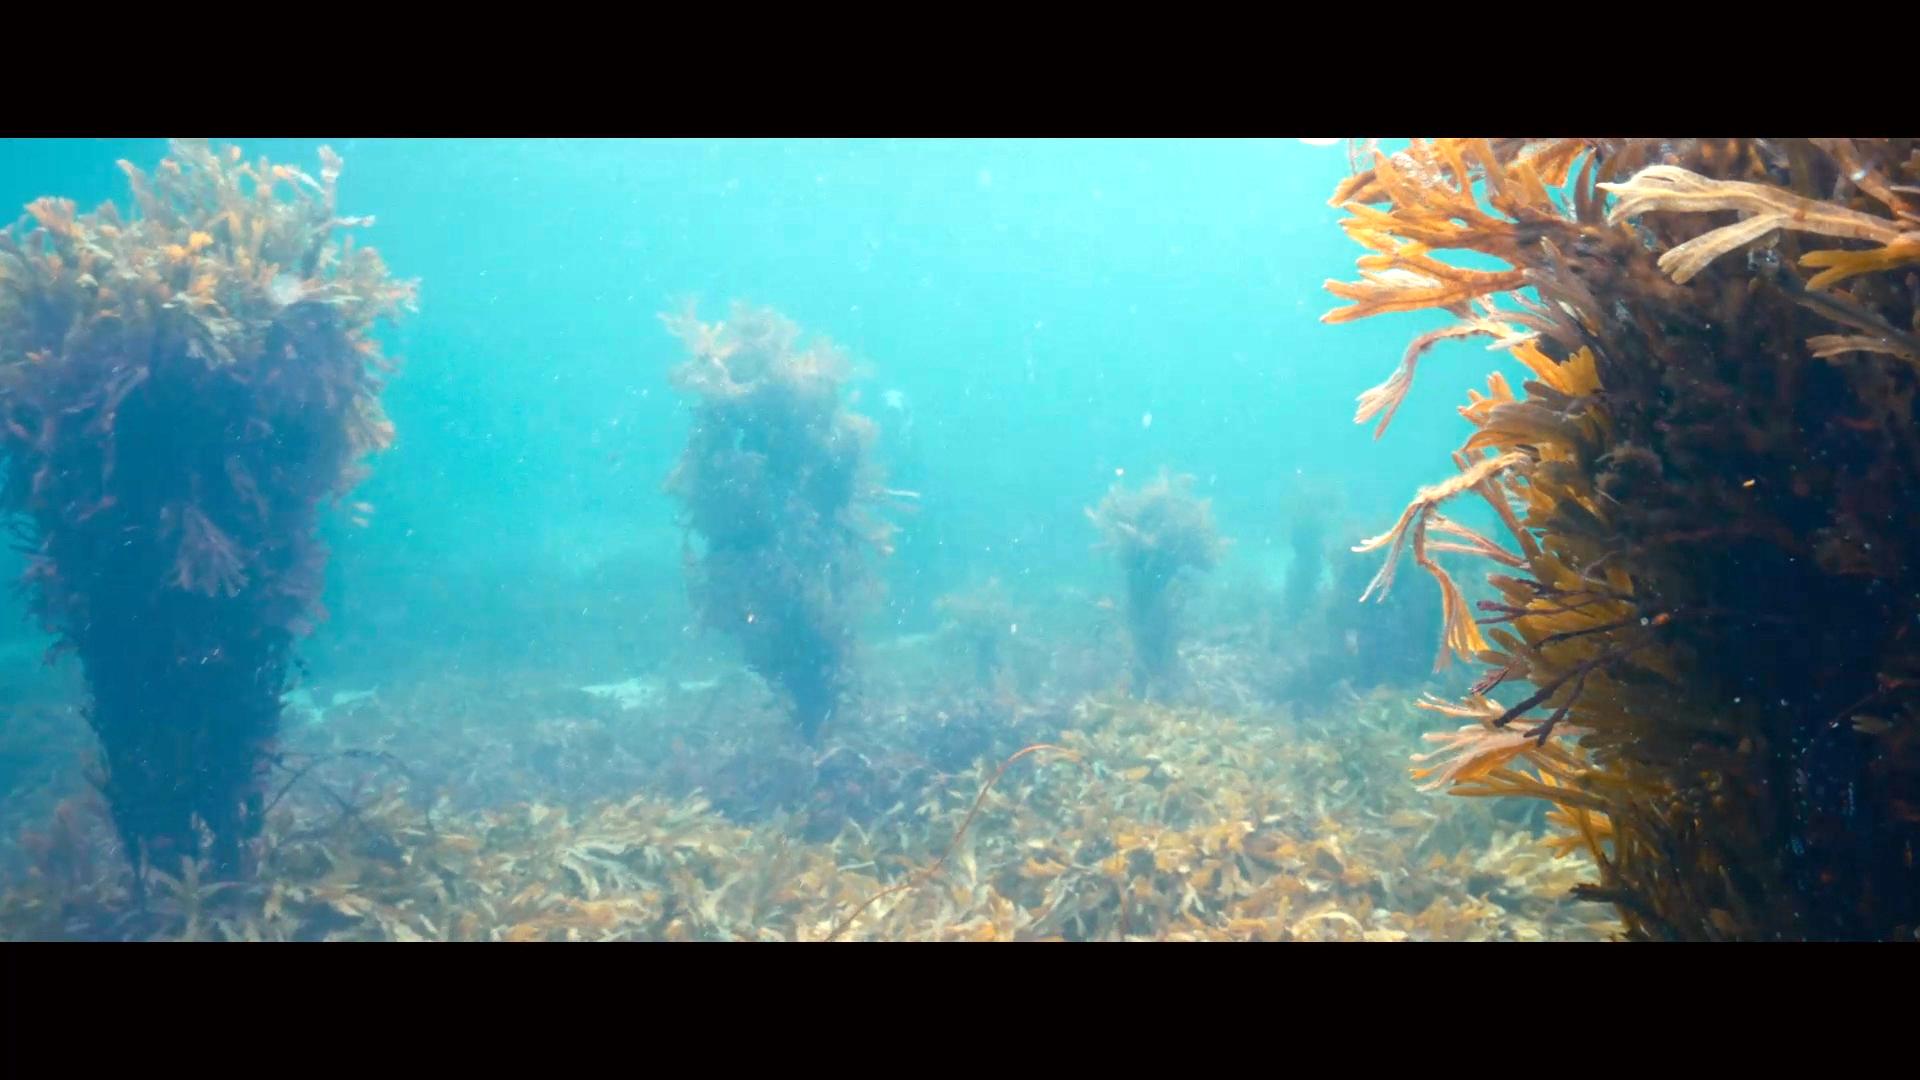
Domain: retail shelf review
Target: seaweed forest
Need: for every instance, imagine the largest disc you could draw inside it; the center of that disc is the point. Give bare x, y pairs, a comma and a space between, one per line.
185, 386
1000, 565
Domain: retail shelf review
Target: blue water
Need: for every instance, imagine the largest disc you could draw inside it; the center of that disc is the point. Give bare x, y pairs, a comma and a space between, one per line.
1052, 314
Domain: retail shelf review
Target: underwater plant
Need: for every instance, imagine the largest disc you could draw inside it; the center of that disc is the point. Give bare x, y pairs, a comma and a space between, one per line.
181, 389
1712, 571
983, 618
1377, 644
1162, 536
778, 480
1307, 536
1333, 642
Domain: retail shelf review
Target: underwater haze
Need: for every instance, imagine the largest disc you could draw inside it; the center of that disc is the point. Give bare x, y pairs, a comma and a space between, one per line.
1033, 303
1106, 506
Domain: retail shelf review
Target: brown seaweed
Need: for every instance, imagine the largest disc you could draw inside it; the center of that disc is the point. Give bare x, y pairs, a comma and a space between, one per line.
779, 483
182, 388
1711, 574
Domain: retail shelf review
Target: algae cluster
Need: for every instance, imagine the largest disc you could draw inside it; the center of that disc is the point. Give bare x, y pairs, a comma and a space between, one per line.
183, 388
1706, 590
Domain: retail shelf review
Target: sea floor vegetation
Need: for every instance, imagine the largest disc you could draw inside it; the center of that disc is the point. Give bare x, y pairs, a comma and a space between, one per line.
512, 809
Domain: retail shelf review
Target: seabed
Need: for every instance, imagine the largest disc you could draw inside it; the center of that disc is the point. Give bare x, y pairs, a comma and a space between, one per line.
658, 808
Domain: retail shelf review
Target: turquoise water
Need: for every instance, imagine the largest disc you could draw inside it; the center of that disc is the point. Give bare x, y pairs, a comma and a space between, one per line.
1032, 319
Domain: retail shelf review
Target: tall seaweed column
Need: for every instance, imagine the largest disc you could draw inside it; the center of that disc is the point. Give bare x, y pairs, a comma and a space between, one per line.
1162, 536
181, 389
1707, 569
779, 484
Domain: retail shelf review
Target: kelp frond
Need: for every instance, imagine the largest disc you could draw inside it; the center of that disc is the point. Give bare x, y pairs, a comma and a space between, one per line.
1672, 189
1461, 635
1475, 751
1385, 400
1673, 414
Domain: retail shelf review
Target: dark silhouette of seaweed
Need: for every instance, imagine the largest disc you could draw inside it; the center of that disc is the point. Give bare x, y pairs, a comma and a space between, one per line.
180, 391
1717, 572
778, 482
1162, 537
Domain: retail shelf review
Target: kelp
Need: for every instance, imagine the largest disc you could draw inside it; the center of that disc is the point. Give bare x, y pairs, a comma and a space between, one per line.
1714, 578
983, 619
779, 482
1163, 536
182, 387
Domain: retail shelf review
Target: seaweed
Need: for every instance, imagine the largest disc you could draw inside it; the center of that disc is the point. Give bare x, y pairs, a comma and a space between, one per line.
1710, 582
1331, 642
1158, 823
983, 619
1362, 646
779, 482
1162, 537
181, 389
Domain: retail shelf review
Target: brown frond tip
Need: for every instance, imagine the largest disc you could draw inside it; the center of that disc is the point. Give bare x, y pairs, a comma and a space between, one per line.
1474, 750
1767, 209
1385, 399
1827, 346
1460, 634
1410, 280
207, 560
